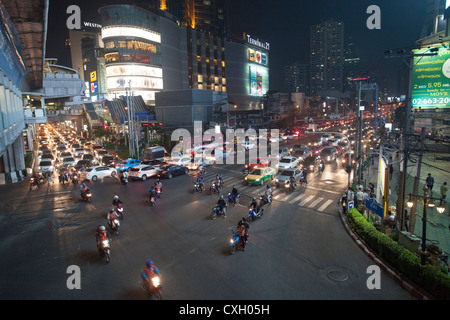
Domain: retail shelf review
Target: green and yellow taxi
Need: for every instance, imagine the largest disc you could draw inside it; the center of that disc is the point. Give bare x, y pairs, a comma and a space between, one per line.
259, 175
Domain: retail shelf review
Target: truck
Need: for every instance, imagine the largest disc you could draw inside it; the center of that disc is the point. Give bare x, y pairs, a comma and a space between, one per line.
154, 153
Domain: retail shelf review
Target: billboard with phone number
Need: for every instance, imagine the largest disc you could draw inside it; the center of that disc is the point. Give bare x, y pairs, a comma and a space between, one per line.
431, 79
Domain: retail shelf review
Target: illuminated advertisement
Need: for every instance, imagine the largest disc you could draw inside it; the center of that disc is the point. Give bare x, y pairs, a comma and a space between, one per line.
135, 32
257, 56
133, 70
94, 87
134, 82
431, 79
93, 76
256, 80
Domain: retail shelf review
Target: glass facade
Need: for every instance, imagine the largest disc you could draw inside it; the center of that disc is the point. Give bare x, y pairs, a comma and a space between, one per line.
132, 39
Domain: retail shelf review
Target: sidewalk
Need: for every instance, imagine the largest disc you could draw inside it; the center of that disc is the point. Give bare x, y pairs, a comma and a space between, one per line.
437, 231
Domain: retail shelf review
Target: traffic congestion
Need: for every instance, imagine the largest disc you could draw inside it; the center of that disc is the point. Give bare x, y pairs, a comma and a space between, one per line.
250, 188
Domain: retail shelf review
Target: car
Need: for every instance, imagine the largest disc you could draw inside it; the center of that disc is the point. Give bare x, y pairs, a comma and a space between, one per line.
128, 164
47, 157
142, 172
78, 152
199, 162
180, 161
302, 153
97, 172
345, 159
333, 142
99, 153
96, 147
65, 154
172, 170
81, 163
296, 147
287, 162
259, 161
68, 160
259, 175
154, 163
45, 166
328, 154
107, 160
89, 157
316, 149
286, 174
283, 152
311, 163
326, 136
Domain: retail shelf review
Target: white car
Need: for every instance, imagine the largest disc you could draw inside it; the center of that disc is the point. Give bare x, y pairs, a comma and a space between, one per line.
142, 172
68, 160
183, 161
201, 161
46, 166
97, 172
287, 162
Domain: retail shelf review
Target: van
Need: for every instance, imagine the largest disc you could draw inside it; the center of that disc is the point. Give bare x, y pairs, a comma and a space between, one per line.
154, 153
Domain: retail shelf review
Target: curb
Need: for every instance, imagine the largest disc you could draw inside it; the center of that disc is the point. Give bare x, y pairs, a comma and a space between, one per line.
414, 290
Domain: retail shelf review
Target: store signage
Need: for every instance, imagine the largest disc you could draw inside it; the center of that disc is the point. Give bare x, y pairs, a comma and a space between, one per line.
258, 43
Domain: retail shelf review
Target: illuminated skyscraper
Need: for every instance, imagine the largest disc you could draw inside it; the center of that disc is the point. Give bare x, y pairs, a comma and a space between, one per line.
327, 56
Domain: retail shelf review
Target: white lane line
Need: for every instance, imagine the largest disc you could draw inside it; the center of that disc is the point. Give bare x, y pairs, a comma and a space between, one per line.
314, 203
306, 201
297, 198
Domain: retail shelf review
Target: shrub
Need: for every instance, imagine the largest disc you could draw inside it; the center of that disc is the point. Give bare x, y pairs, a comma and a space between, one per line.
406, 262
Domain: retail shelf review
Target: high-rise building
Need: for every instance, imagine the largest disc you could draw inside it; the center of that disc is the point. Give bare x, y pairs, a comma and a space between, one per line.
296, 78
326, 56
434, 18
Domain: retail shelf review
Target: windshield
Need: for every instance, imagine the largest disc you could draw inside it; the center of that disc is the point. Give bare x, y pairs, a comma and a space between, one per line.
256, 172
68, 159
285, 160
45, 164
287, 173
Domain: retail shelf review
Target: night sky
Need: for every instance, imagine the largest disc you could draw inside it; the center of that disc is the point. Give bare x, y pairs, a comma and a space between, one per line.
285, 24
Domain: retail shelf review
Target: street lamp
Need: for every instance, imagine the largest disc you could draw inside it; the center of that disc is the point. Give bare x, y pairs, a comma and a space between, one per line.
427, 202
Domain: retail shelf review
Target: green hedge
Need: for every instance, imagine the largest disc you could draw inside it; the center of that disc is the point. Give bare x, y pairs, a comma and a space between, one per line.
405, 261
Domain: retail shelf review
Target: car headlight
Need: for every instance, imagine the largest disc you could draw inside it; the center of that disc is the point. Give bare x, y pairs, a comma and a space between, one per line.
276, 180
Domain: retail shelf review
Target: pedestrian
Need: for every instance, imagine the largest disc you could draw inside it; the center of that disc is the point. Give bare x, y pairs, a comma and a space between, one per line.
391, 171
343, 201
444, 190
50, 177
430, 182
359, 197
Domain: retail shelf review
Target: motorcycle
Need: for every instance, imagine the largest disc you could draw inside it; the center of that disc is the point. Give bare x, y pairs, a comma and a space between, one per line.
158, 192
152, 286
265, 199
86, 196
321, 168
105, 250
114, 225
214, 188
253, 215
235, 243
197, 188
152, 199
33, 182
290, 186
75, 178
216, 211
123, 180
231, 199
119, 210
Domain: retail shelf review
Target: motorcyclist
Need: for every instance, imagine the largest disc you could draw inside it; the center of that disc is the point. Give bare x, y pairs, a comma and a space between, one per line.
219, 181
153, 192
158, 185
222, 205
149, 272
112, 214
234, 193
244, 222
116, 201
254, 204
101, 235
84, 189
200, 182
268, 193
292, 182
322, 165
241, 232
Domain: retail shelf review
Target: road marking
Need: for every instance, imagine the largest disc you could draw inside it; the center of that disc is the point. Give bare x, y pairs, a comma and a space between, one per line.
306, 201
324, 190
297, 198
325, 205
313, 204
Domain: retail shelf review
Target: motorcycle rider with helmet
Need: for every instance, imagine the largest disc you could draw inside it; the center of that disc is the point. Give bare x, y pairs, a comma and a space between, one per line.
149, 272
222, 205
116, 201
234, 194
244, 222
101, 235
268, 193
112, 214
84, 189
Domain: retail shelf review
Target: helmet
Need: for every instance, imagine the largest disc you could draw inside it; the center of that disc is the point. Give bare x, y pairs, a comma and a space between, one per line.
149, 263
267, 187
111, 210
221, 196
102, 228
116, 197
253, 198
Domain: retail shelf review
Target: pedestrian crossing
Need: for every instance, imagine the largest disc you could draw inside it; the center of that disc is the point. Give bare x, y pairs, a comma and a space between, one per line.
299, 197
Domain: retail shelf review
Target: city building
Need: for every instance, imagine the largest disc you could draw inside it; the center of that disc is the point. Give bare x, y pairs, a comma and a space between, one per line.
23, 28
296, 78
326, 56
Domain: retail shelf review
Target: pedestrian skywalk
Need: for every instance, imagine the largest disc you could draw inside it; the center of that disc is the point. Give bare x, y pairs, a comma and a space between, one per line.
300, 197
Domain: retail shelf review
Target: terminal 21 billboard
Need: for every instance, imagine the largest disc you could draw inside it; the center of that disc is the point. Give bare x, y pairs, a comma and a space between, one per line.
258, 72
431, 78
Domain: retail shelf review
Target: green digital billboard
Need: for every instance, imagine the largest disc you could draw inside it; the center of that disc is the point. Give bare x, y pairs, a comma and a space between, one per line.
431, 79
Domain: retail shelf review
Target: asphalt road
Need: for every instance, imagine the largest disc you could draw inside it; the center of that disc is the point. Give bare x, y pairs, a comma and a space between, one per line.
298, 250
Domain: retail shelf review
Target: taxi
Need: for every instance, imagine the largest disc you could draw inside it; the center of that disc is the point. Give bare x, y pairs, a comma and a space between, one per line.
259, 175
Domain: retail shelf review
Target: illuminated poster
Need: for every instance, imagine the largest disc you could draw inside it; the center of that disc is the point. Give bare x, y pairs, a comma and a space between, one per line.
263, 58
251, 55
431, 79
93, 75
258, 57
256, 81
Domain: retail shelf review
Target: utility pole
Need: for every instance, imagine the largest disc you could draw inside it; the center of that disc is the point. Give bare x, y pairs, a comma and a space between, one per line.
412, 214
